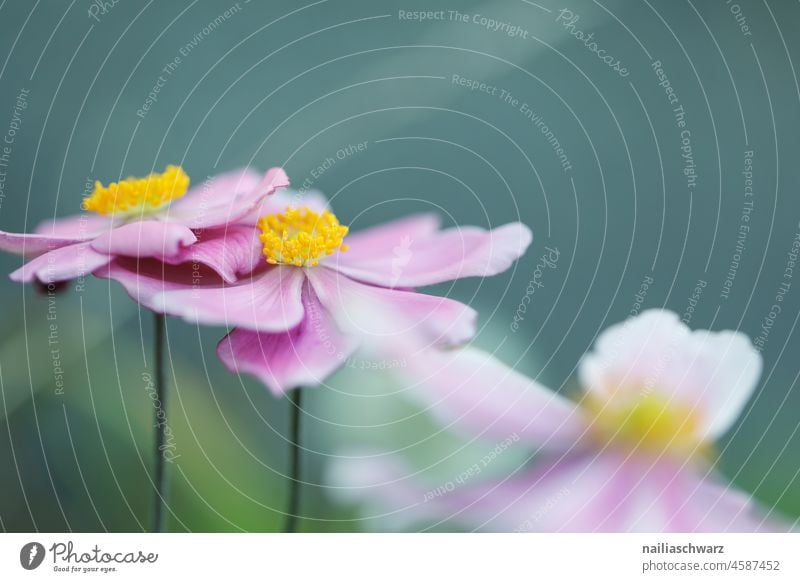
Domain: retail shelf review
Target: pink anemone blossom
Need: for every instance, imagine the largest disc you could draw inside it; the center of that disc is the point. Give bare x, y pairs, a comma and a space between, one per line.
299, 314
146, 217
634, 453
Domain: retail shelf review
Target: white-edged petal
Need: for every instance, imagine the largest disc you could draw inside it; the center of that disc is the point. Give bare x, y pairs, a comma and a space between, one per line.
711, 373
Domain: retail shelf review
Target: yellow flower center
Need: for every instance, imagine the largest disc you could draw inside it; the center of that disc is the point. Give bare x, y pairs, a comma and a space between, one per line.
134, 196
648, 422
301, 237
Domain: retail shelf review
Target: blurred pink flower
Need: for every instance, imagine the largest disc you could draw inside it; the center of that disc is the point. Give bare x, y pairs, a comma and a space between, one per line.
318, 291
153, 216
634, 453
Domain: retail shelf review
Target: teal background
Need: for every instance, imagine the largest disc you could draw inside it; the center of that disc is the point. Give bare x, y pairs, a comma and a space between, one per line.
287, 83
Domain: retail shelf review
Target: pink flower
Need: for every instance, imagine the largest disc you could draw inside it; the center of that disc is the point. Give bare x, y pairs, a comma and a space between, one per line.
300, 314
145, 217
634, 453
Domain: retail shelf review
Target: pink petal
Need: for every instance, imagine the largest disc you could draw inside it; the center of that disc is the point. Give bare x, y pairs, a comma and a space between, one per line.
34, 244
274, 179
543, 499
214, 191
691, 502
81, 226
605, 492
614, 491
398, 259
714, 373
269, 301
145, 238
225, 198
233, 251
574, 493
303, 356
144, 279
283, 199
379, 242
383, 315
471, 390
61, 264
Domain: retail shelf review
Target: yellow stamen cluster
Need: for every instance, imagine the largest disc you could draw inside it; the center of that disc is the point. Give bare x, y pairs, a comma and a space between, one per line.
301, 237
648, 421
138, 195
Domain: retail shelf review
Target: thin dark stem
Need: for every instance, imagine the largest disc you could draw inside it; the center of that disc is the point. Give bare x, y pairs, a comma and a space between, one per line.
160, 494
293, 508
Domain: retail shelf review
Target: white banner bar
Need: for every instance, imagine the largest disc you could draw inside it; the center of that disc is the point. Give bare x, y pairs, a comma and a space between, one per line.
400, 557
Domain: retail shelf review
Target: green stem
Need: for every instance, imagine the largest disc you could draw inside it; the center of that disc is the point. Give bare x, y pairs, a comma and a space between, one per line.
160, 477
293, 508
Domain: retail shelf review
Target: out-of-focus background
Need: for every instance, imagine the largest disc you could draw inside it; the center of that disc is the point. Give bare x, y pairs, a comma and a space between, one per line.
482, 123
